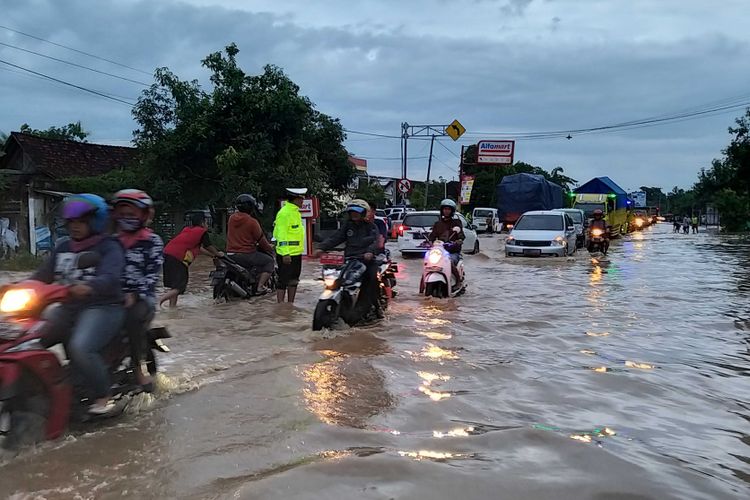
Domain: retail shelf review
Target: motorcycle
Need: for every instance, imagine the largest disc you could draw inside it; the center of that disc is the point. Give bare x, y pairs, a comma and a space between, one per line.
438, 279
597, 241
231, 280
39, 397
343, 283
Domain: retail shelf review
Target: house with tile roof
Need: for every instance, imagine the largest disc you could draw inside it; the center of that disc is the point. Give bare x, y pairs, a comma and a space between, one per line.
36, 170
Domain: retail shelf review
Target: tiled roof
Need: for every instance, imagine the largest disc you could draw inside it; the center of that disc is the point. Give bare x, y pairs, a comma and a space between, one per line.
61, 159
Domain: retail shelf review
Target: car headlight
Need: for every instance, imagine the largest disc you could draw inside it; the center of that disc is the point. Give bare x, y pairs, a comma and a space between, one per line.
434, 256
510, 239
559, 241
16, 300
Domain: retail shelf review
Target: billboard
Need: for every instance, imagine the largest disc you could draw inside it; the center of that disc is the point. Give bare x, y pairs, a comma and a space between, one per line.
495, 152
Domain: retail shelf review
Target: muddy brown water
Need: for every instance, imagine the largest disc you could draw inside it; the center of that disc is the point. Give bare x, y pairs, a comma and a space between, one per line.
559, 379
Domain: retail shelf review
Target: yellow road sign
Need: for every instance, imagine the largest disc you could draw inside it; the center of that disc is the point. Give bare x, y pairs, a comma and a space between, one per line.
455, 130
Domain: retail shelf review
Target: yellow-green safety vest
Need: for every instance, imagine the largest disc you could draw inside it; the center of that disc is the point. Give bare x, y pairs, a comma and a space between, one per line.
288, 230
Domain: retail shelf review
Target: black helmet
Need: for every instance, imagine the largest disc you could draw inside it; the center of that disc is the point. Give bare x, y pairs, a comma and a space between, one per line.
247, 203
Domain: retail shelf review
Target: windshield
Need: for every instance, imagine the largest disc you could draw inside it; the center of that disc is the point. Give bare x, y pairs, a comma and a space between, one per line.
420, 220
539, 223
588, 208
482, 213
380, 213
576, 216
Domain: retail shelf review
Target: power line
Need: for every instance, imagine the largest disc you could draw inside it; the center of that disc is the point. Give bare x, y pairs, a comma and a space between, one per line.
75, 50
74, 64
449, 150
63, 82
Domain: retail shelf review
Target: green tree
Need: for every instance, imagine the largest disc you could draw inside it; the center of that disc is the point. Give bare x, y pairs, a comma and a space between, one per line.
247, 134
371, 192
727, 182
73, 131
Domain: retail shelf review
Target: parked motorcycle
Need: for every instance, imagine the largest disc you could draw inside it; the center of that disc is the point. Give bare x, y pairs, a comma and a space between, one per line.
438, 279
38, 395
598, 241
230, 280
343, 283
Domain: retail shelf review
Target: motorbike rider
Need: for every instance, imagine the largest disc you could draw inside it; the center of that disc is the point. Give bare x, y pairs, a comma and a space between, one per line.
245, 238
133, 210
600, 223
382, 230
93, 316
450, 231
361, 242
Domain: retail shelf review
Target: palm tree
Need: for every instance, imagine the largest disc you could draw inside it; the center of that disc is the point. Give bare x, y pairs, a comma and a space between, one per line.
562, 180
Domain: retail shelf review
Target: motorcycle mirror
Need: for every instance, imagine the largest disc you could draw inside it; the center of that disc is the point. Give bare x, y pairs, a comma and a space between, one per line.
87, 259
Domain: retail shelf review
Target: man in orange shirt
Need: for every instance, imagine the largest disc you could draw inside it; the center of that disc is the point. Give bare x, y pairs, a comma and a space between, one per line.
246, 242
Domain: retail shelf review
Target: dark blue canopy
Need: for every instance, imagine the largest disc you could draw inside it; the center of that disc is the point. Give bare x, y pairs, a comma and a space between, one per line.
604, 185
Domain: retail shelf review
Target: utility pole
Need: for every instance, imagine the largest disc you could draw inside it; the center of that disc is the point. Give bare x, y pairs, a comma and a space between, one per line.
429, 167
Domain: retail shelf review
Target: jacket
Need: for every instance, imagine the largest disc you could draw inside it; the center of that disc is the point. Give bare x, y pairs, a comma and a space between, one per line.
104, 278
443, 231
288, 230
360, 237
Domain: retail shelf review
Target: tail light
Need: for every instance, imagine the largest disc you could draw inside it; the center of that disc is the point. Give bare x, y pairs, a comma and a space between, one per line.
402, 228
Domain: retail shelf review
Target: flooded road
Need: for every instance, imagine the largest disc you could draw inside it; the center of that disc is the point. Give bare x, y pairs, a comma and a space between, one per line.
563, 379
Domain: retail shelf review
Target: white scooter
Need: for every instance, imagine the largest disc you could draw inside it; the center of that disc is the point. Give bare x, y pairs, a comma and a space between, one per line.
438, 279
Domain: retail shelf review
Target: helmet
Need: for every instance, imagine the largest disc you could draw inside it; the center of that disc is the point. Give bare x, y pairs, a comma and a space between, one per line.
359, 206
247, 203
598, 213
295, 192
87, 205
136, 197
448, 203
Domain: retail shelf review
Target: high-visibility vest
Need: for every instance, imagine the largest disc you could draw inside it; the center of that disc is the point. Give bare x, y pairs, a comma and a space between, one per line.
288, 230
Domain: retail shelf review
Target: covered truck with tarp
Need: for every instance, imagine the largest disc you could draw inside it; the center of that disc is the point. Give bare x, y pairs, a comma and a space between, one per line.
520, 193
604, 194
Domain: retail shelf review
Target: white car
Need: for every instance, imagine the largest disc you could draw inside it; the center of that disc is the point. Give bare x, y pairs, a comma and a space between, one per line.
579, 221
414, 228
542, 233
486, 220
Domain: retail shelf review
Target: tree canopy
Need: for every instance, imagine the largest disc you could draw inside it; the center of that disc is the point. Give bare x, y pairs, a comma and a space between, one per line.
248, 133
73, 131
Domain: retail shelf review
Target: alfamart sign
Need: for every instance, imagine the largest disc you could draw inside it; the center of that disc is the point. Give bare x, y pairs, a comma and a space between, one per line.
495, 152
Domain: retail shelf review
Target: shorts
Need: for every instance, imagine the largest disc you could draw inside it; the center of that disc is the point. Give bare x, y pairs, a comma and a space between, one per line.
175, 274
259, 260
289, 273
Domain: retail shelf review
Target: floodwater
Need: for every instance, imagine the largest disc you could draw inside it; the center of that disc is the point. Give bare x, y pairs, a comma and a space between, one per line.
559, 379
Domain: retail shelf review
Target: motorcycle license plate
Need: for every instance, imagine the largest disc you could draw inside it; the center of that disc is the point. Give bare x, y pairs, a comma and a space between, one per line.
218, 274
532, 251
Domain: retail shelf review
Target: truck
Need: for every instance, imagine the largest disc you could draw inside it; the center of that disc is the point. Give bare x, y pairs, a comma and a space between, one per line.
604, 194
521, 193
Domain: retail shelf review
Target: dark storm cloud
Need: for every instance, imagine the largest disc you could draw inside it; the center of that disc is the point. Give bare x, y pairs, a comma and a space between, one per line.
375, 75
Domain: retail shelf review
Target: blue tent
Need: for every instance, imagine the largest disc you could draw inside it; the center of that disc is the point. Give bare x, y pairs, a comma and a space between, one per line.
604, 185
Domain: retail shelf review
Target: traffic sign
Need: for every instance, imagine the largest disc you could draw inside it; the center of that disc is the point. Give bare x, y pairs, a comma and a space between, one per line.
495, 152
404, 186
455, 130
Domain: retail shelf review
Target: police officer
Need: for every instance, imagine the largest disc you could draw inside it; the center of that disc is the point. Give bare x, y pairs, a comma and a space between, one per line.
289, 235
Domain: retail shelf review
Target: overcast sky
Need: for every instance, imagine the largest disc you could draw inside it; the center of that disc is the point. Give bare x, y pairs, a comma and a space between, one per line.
502, 67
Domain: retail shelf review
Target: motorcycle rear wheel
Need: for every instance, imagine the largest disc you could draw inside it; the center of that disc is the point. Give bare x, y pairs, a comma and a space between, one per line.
23, 418
434, 290
326, 314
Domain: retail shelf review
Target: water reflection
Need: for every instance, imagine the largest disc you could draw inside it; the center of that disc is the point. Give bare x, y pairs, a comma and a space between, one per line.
344, 388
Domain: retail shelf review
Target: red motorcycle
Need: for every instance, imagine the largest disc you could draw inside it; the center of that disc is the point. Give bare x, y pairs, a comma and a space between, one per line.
38, 395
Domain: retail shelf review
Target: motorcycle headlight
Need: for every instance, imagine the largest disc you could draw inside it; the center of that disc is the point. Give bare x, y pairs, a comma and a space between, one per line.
329, 278
434, 256
639, 222
16, 300
596, 232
